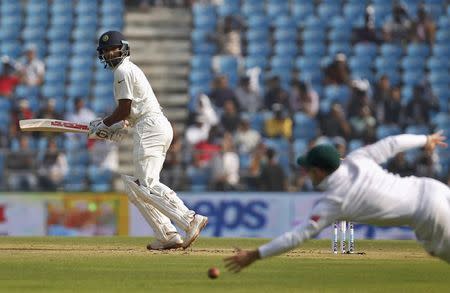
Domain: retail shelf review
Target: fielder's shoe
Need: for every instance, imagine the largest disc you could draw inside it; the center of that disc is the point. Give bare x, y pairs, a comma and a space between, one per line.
174, 242
198, 223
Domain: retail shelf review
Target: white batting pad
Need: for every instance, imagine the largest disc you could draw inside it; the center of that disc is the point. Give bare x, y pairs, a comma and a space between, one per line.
159, 223
165, 200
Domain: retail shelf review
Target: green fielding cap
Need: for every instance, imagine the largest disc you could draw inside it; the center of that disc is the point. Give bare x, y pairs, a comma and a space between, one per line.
323, 156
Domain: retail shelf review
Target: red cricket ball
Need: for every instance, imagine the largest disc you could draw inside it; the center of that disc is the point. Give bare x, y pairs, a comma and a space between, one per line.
213, 273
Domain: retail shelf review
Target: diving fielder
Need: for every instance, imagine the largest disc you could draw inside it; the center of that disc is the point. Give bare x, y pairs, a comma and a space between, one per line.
153, 134
359, 190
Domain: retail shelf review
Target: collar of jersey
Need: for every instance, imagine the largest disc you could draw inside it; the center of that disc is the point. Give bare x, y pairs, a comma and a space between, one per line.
126, 59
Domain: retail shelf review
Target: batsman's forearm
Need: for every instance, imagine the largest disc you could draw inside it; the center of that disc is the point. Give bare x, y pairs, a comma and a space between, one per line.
117, 116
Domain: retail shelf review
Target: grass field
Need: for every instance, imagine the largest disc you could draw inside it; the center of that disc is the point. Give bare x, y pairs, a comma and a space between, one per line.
124, 265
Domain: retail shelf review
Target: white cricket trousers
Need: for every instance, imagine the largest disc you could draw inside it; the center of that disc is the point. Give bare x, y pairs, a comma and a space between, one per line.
433, 219
152, 138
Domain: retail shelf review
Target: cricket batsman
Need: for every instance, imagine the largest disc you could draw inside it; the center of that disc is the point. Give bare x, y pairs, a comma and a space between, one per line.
358, 189
153, 135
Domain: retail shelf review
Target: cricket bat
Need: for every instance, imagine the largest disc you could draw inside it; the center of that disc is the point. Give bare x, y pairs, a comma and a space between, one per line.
53, 125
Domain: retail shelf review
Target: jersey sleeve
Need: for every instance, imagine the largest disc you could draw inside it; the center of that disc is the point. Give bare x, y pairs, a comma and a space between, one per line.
325, 212
123, 85
388, 147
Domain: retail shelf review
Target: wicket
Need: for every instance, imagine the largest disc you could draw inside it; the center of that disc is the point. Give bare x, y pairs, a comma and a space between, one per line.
343, 230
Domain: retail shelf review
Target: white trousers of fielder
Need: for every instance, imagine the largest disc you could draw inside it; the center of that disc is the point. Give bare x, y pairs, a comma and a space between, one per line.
432, 225
157, 203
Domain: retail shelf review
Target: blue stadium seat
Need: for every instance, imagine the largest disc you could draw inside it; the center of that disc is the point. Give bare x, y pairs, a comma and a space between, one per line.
86, 21
314, 22
282, 61
443, 22
339, 35
201, 76
258, 22
257, 35
59, 33
437, 63
360, 62
385, 130
313, 36
201, 62
53, 90
286, 49
314, 50
81, 62
11, 23
99, 175
77, 90
443, 36
366, 49
341, 47
412, 78
5, 105
228, 8
258, 119
327, 11
439, 78
418, 50
109, 22
33, 34
341, 94
305, 63
300, 147
199, 178
204, 49
102, 91
54, 77
84, 33
417, 129
11, 49
284, 22
260, 49
255, 61
305, 127
285, 35
441, 50
409, 63
354, 10
7, 35
38, 20
354, 144
300, 11
277, 8
60, 48
249, 10
391, 50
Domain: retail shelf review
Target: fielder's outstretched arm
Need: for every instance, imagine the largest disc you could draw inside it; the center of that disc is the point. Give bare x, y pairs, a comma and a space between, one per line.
324, 213
388, 147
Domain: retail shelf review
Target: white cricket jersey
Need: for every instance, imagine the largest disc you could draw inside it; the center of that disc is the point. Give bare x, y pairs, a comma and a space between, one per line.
131, 83
361, 191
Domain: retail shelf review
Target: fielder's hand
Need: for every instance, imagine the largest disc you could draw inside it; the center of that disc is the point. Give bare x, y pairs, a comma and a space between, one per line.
436, 139
241, 259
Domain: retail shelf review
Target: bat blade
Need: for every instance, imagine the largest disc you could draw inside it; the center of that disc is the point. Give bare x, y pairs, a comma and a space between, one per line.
52, 125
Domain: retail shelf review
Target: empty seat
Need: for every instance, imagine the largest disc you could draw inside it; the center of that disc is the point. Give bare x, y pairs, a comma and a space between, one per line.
385, 130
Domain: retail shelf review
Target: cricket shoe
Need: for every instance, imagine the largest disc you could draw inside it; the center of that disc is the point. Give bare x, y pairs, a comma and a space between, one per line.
174, 242
196, 226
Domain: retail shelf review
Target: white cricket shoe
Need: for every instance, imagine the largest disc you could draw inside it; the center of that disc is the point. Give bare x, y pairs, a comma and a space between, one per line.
174, 242
196, 226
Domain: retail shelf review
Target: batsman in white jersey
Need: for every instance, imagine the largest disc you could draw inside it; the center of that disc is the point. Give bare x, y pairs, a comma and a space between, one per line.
153, 134
358, 189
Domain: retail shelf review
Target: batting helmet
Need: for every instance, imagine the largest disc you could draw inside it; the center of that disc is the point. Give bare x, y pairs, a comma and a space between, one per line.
109, 40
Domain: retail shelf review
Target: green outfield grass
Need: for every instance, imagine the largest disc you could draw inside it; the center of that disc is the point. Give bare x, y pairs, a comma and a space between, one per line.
124, 265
